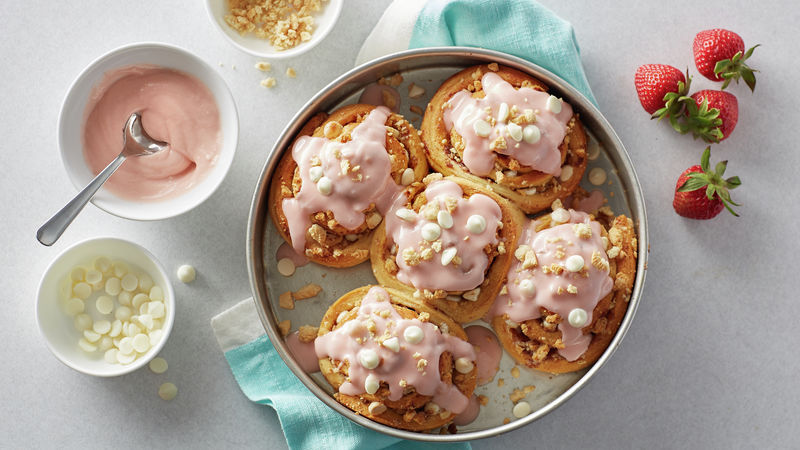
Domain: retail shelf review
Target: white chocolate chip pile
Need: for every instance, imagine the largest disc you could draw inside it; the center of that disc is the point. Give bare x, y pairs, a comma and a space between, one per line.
118, 310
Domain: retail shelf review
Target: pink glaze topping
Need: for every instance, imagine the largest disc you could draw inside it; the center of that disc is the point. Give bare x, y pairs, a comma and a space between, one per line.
286, 251
466, 270
488, 352
465, 111
357, 174
559, 293
303, 353
469, 415
414, 364
176, 108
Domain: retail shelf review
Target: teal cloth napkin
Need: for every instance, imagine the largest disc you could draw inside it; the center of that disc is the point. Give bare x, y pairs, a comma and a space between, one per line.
521, 28
306, 421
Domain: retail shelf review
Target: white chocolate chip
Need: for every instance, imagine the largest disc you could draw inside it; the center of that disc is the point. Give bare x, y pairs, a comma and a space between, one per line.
392, 344
126, 345
445, 219
111, 355
93, 276
87, 346
91, 336
286, 267
432, 408
448, 254
186, 273
592, 150
415, 91
464, 365
560, 215
75, 306
113, 286
413, 334
141, 343
129, 282
431, 232
325, 186
83, 322
574, 263
482, 128
407, 177
406, 214
472, 295
126, 358
101, 326
531, 134
139, 300
104, 304
597, 176
578, 317
566, 173
527, 288
82, 290
167, 391
146, 320
368, 358
521, 409
158, 365
156, 293
502, 112
351, 237
515, 131
476, 224
553, 104
116, 328
315, 173
371, 384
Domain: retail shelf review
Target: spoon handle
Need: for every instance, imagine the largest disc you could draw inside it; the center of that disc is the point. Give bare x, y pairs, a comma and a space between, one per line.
49, 233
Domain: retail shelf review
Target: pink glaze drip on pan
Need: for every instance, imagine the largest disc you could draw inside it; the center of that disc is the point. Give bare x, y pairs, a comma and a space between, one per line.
341, 345
303, 353
479, 158
487, 350
592, 283
469, 415
349, 196
286, 251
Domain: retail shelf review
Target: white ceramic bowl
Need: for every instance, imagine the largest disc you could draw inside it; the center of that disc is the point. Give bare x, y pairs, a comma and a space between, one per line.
58, 328
249, 43
70, 128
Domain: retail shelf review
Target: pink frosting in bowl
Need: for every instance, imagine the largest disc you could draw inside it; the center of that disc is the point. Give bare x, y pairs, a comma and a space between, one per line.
168, 184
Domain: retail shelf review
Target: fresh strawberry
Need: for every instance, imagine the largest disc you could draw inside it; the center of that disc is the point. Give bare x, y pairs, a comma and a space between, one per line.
711, 115
701, 193
654, 82
719, 55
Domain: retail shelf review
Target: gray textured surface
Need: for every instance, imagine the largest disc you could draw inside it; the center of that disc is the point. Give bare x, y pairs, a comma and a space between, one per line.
710, 360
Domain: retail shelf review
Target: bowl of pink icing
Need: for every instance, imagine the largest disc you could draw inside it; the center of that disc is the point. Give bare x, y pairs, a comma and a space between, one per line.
183, 101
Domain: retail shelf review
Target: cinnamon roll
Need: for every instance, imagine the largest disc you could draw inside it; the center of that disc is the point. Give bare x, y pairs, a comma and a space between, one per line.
494, 124
447, 241
331, 191
394, 360
567, 290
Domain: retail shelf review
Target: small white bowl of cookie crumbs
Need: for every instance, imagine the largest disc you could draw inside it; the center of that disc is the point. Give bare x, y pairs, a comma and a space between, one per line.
274, 28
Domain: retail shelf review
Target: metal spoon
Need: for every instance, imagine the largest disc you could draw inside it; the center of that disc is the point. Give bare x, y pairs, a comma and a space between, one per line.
136, 142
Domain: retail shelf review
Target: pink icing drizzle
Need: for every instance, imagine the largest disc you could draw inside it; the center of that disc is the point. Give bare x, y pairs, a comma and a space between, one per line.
303, 353
341, 345
431, 274
591, 288
286, 251
488, 352
349, 196
470, 414
465, 110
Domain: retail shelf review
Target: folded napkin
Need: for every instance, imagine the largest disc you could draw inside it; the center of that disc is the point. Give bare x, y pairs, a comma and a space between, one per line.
519, 27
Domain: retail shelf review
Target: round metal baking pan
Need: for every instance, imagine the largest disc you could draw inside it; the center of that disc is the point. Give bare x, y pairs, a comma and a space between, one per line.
261, 240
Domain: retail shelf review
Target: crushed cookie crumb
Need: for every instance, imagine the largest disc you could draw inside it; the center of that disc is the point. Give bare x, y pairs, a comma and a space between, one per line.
307, 333
263, 66
285, 326
286, 301
284, 24
269, 82
290, 72
515, 372
307, 291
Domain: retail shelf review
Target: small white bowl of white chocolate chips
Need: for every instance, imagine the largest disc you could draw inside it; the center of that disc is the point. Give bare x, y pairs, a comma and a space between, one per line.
105, 307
